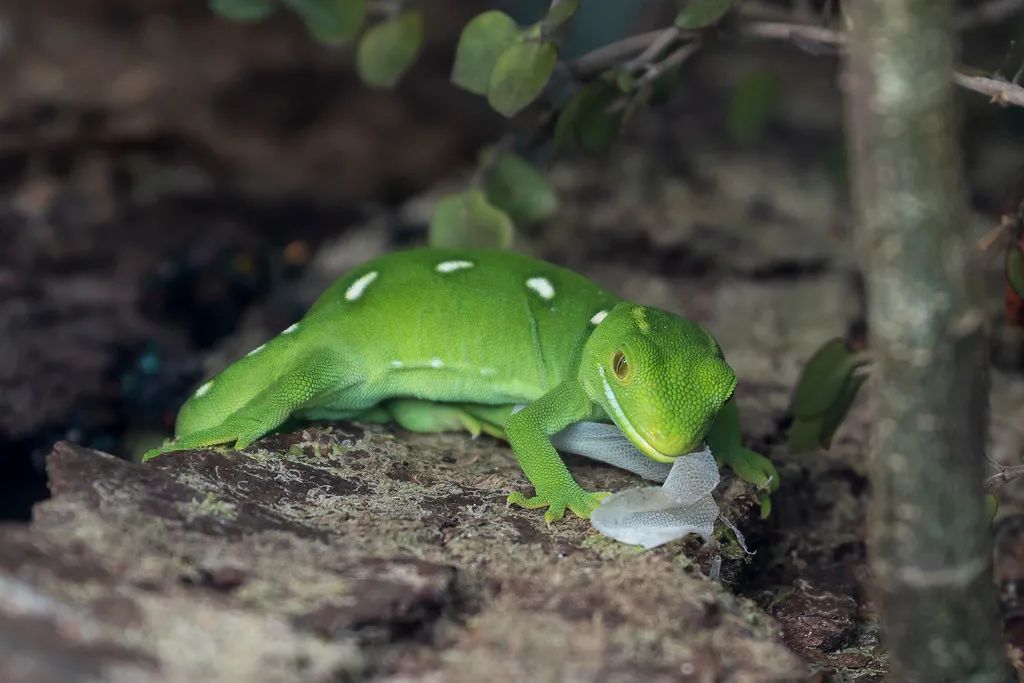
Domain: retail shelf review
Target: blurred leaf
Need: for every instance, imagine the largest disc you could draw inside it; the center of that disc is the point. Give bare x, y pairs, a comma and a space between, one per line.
243, 10
805, 435
519, 76
753, 102
565, 125
519, 189
330, 21
560, 13
991, 506
701, 13
823, 378
597, 127
1015, 268
468, 220
837, 411
625, 80
482, 41
389, 48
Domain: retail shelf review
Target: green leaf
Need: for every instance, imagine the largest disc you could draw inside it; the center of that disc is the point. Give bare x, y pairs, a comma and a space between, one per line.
597, 127
243, 10
468, 220
519, 76
752, 104
331, 21
1015, 268
805, 435
702, 13
482, 41
565, 125
560, 13
520, 190
823, 378
991, 506
837, 412
389, 48
625, 80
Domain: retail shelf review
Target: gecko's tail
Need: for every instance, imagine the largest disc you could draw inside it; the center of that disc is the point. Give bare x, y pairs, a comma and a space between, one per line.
238, 384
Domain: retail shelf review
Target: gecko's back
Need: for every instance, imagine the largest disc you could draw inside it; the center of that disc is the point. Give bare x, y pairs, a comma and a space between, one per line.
479, 326
468, 325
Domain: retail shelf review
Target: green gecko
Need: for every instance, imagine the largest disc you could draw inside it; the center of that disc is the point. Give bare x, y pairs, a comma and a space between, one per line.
450, 339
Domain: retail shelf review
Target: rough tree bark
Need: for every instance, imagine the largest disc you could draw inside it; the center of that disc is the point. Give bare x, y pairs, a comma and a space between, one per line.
930, 542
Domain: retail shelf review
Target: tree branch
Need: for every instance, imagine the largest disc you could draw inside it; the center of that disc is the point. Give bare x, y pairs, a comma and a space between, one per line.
928, 531
1000, 91
1007, 473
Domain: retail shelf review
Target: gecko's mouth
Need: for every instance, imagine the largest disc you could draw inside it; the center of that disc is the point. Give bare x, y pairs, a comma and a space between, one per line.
639, 440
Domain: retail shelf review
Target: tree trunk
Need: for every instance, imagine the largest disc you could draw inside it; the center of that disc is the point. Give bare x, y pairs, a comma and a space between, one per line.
929, 534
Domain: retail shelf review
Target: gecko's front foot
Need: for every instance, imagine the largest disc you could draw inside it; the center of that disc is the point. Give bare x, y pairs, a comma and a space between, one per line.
579, 501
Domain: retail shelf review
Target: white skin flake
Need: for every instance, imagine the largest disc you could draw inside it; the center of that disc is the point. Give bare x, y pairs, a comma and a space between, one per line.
436, 362
397, 364
452, 266
290, 329
202, 391
598, 317
356, 289
543, 287
257, 350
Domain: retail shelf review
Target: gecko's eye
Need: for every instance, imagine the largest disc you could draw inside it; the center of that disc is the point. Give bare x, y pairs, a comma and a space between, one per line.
620, 366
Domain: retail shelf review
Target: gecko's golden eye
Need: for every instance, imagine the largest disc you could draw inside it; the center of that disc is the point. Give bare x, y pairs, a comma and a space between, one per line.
620, 365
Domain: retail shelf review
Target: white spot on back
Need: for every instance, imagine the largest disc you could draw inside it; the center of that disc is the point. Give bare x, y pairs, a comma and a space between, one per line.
203, 390
356, 289
436, 363
397, 364
542, 286
257, 350
452, 266
487, 372
291, 328
598, 317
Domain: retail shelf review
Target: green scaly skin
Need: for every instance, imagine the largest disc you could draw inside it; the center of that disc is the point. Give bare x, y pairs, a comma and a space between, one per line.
440, 339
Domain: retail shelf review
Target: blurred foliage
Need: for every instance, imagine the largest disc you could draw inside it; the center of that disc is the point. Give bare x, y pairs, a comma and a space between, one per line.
753, 103
824, 393
483, 40
243, 10
520, 74
467, 220
702, 13
334, 22
520, 190
389, 48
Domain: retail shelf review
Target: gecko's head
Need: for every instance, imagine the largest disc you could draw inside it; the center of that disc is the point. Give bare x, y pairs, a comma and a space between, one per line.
660, 377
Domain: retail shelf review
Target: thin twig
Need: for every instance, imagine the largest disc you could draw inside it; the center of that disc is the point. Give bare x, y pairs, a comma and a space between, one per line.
654, 50
987, 13
670, 62
600, 59
1001, 92
779, 30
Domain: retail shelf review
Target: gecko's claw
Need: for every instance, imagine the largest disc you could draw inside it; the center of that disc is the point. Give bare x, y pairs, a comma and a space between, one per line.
582, 503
